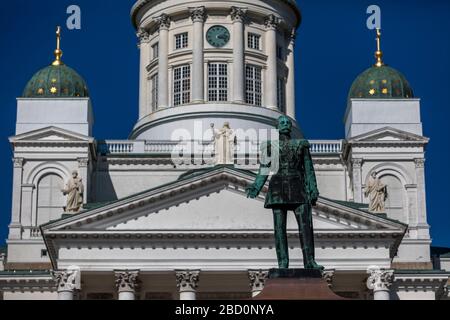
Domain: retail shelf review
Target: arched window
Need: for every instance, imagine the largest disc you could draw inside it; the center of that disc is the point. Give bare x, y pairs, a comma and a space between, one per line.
50, 199
395, 203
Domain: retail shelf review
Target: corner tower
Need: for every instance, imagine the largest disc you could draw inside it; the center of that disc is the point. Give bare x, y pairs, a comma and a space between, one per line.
53, 139
214, 62
384, 136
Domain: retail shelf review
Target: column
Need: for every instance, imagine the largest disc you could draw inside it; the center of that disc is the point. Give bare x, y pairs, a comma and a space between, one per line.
422, 224
198, 16
144, 46
238, 17
272, 70
163, 59
27, 205
67, 282
357, 180
379, 281
257, 281
290, 84
126, 284
15, 228
187, 283
83, 164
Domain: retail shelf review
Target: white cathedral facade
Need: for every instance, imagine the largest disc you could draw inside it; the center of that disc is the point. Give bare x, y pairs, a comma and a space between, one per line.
135, 224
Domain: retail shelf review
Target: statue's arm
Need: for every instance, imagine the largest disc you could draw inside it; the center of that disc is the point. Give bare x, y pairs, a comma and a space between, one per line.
255, 189
310, 175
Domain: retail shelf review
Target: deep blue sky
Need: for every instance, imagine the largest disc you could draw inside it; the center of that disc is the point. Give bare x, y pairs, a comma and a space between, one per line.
333, 47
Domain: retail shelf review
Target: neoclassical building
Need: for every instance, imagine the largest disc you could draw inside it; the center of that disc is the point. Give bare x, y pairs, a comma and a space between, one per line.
164, 214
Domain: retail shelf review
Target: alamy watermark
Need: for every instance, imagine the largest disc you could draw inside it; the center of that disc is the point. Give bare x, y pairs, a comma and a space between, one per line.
73, 22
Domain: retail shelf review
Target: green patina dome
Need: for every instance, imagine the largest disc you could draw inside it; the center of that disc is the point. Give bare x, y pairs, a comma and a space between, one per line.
381, 82
56, 81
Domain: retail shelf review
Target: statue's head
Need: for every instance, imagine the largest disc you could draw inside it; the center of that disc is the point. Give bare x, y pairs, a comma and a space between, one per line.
74, 174
226, 125
284, 125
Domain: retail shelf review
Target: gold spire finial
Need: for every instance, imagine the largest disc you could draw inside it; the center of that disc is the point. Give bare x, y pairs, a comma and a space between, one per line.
58, 51
379, 53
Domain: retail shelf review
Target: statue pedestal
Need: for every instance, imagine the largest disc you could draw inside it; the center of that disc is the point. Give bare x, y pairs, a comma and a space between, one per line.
296, 284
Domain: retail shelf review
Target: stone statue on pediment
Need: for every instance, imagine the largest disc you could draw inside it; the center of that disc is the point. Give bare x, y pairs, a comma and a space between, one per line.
224, 144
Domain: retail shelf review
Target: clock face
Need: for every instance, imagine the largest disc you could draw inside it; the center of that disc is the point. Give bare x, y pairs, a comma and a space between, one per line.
218, 36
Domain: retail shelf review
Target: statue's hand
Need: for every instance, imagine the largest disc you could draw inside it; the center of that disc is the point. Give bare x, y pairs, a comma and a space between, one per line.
252, 192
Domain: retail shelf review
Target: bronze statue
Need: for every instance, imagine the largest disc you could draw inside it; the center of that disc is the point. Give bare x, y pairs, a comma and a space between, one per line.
292, 187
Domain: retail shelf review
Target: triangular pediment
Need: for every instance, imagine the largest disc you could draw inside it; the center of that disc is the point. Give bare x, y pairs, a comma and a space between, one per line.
389, 134
50, 134
215, 202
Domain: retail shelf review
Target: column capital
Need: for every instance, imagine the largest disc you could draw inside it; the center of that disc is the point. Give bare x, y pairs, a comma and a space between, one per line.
272, 22
328, 275
258, 279
357, 163
238, 14
420, 163
187, 280
379, 279
198, 14
67, 280
164, 21
143, 35
83, 162
126, 281
18, 162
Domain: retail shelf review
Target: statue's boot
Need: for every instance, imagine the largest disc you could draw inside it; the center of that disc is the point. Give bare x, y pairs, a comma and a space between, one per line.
281, 241
304, 217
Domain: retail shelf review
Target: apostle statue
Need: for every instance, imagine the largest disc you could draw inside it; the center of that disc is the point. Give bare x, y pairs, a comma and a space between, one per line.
376, 191
224, 144
74, 191
293, 187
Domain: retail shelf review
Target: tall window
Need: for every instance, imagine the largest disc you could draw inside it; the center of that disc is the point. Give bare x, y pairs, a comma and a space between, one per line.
182, 85
155, 50
154, 84
253, 85
281, 95
50, 200
254, 41
181, 41
217, 82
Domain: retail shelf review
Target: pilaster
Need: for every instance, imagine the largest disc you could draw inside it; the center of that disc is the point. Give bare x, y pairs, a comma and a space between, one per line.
16, 226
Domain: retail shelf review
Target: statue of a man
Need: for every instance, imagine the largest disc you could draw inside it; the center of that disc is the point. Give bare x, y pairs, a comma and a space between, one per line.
292, 187
224, 142
74, 191
376, 191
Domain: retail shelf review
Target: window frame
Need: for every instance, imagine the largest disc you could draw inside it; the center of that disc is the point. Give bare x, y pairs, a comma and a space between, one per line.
254, 93
254, 38
183, 95
155, 50
154, 82
221, 94
181, 40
